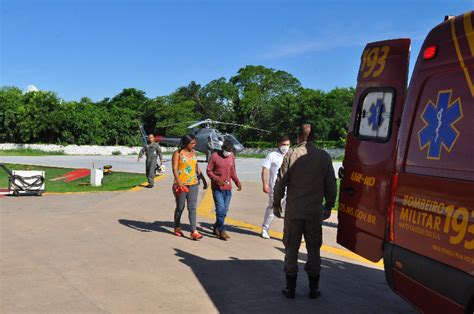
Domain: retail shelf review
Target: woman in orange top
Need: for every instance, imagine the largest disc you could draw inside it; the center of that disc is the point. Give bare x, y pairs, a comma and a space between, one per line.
186, 184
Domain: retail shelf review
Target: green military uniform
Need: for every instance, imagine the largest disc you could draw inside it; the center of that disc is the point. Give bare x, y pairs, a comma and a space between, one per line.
152, 152
307, 176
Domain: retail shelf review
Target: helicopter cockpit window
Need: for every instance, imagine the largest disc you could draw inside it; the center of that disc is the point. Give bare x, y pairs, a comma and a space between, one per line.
231, 138
215, 141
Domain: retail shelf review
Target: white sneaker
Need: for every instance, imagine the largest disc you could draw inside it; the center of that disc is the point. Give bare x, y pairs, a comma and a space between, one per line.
265, 234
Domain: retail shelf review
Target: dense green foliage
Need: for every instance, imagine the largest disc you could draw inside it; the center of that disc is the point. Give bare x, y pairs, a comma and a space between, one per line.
256, 96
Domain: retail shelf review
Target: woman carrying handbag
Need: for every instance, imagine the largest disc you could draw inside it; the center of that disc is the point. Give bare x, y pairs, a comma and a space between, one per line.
186, 186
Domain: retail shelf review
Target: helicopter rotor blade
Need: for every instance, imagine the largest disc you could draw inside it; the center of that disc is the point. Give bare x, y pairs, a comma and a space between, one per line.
242, 126
173, 124
207, 121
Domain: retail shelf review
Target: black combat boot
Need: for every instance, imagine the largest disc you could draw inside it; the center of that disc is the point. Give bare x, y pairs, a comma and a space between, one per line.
289, 291
314, 291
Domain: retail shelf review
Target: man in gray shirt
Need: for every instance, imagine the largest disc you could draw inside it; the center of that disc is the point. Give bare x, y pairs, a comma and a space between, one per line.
152, 152
308, 177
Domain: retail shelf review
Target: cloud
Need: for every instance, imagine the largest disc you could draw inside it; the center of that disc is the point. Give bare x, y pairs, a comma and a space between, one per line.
294, 48
31, 88
301, 47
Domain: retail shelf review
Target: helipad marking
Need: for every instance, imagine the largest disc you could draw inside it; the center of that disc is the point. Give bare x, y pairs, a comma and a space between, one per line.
141, 186
205, 209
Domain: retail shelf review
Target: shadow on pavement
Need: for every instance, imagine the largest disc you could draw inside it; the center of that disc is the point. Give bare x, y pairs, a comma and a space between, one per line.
207, 229
329, 224
236, 285
168, 226
159, 226
141, 185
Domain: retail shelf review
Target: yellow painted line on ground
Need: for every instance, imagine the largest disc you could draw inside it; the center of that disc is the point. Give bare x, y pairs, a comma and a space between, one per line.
144, 184
205, 209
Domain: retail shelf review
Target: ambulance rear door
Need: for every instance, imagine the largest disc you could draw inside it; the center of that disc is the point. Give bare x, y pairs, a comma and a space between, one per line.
368, 166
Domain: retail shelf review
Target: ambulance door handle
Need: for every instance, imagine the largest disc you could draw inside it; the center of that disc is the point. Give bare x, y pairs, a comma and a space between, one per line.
350, 190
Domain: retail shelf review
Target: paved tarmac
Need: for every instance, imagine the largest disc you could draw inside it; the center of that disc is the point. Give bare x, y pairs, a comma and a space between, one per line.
248, 168
115, 252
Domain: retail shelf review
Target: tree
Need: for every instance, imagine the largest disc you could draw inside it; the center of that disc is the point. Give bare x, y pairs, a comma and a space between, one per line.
85, 123
130, 98
340, 100
150, 115
40, 118
256, 87
285, 116
256, 96
175, 113
218, 99
10, 100
314, 110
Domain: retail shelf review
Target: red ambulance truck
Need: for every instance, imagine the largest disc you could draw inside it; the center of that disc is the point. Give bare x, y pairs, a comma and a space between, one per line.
407, 189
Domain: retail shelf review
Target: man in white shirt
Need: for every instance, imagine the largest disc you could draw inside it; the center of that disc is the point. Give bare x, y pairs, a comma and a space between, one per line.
270, 168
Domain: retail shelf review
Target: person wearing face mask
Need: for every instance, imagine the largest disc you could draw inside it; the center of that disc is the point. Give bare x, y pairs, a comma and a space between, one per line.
270, 167
221, 171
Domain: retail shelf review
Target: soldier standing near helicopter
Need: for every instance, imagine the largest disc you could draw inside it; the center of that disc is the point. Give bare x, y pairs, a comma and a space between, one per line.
152, 152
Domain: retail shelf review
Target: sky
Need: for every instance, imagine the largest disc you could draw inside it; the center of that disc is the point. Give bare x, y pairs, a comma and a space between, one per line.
96, 48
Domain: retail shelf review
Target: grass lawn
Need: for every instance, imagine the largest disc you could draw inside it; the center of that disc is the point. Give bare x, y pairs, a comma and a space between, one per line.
28, 152
248, 155
338, 182
117, 181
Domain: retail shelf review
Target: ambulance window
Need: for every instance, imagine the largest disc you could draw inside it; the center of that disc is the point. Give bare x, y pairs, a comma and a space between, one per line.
375, 115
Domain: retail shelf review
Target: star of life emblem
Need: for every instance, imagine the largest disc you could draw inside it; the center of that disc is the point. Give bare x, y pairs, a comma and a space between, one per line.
375, 119
439, 131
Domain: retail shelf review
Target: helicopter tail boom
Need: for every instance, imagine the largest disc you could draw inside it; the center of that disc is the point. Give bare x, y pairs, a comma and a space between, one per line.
167, 140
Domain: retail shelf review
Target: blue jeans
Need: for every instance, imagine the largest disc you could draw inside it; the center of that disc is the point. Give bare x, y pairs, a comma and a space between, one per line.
221, 201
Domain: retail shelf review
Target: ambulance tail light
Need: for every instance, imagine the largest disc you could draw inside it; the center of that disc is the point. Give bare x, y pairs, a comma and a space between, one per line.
430, 52
391, 211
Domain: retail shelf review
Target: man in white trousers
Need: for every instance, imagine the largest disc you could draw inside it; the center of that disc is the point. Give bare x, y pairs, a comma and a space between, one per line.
270, 168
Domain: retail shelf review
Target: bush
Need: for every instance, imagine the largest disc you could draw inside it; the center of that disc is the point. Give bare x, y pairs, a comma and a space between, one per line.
116, 153
259, 144
328, 144
320, 143
342, 140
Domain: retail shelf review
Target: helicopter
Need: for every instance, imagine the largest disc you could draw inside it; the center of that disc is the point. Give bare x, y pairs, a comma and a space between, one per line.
209, 139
